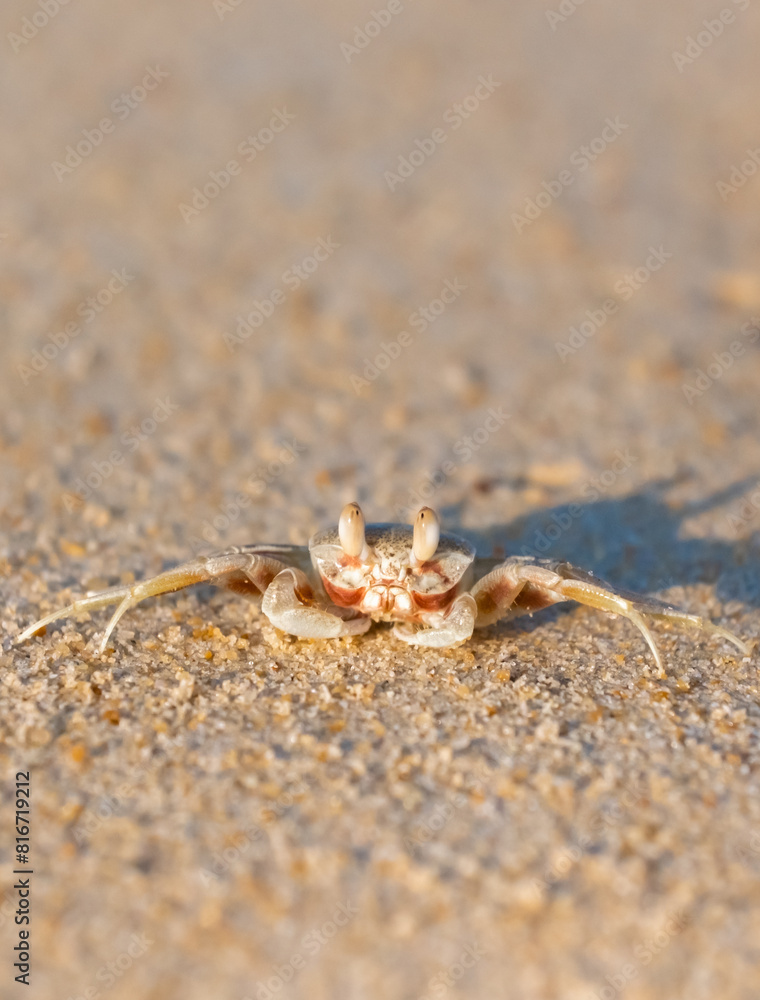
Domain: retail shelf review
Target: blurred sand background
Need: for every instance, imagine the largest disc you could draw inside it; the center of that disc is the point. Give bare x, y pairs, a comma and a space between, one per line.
259, 817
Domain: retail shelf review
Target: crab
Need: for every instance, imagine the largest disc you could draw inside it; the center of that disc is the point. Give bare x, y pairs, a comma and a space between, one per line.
414, 576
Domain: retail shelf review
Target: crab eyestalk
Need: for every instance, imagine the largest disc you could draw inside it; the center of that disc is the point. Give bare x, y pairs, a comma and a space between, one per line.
427, 532
351, 530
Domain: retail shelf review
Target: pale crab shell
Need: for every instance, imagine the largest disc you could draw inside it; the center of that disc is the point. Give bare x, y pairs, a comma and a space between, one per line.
386, 582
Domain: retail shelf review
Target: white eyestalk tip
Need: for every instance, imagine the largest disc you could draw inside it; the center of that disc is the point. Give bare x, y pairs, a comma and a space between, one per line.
351, 529
427, 532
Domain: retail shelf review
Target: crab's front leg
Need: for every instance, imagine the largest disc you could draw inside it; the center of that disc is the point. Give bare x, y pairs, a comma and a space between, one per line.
290, 604
442, 629
244, 570
521, 585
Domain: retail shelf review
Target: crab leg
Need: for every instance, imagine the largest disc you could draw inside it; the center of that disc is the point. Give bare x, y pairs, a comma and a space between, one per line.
238, 569
521, 585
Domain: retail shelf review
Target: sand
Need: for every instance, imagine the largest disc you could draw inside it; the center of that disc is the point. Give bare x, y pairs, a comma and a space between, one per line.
263, 259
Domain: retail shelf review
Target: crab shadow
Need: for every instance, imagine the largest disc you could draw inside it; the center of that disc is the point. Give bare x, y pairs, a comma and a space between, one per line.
637, 542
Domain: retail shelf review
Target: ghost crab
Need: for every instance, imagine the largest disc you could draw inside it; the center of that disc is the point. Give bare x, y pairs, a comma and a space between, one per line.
416, 577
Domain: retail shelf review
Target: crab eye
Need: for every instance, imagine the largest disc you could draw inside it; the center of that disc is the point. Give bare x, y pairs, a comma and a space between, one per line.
351, 529
427, 531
